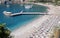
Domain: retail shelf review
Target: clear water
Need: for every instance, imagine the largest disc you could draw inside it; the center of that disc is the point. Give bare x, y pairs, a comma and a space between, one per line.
17, 21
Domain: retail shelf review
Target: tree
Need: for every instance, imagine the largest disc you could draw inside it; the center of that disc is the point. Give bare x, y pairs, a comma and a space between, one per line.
38, 0
4, 32
56, 1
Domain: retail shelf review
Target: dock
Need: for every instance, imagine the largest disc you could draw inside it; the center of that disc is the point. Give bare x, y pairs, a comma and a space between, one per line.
29, 13
17, 13
24, 13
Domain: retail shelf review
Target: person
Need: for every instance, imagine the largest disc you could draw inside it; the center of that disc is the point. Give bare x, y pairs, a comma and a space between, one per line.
9, 0
0, 2
5, 2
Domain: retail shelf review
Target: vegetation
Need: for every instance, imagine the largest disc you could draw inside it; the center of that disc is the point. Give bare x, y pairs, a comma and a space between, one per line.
4, 32
57, 2
56, 32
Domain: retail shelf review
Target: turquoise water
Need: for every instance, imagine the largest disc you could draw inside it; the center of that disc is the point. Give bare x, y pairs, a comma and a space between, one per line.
17, 21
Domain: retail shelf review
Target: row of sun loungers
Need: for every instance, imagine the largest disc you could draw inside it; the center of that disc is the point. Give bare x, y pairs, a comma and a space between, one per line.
46, 28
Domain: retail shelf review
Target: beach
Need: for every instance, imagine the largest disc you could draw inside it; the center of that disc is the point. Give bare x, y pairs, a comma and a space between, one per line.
26, 30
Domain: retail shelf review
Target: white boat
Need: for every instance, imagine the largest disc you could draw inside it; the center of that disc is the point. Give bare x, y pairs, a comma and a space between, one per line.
10, 13
7, 13
28, 6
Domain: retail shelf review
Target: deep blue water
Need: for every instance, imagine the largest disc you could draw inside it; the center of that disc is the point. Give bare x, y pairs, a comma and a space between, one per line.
17, 21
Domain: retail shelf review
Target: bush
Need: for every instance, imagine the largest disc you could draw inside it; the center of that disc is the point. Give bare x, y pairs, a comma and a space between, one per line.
58, 3
4, 32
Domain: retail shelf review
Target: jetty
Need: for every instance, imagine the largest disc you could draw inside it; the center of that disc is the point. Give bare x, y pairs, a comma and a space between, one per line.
17, 13
24, 13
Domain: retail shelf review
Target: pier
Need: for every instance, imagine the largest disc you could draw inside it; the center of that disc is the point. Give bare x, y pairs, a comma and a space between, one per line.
24, 13
17, 13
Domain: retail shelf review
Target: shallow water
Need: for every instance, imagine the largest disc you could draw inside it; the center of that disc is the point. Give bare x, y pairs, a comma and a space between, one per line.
17, 21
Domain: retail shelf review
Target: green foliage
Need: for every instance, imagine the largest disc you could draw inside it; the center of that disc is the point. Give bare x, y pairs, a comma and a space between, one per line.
38, 0
4, 32
57, 2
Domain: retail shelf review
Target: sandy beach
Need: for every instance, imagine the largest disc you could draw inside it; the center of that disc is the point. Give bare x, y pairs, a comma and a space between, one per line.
25, 30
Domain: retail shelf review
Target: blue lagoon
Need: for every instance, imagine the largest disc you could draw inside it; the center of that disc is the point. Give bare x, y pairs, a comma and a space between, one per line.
18, 21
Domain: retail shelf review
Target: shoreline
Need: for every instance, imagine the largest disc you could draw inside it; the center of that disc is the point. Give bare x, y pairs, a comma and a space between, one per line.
27, 23
30, 21
31, 27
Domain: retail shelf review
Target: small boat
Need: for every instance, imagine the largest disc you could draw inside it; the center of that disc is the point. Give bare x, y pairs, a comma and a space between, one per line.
7, 13
10, 13
28, 6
